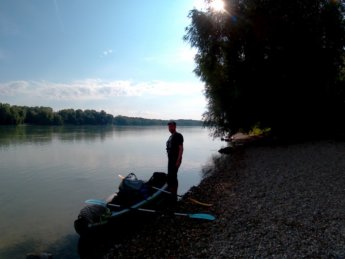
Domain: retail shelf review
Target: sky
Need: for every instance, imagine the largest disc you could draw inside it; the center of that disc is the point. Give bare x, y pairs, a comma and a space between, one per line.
126, 57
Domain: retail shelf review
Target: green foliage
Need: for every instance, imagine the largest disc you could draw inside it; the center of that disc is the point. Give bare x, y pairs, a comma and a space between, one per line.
11, 114
46, 116
124, 120
274, 61
257, 130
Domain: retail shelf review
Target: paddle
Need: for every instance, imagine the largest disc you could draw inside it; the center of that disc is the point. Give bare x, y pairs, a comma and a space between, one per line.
191, 199
189, 215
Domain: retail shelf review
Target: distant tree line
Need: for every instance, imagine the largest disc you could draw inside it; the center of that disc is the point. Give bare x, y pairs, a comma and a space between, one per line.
15, 115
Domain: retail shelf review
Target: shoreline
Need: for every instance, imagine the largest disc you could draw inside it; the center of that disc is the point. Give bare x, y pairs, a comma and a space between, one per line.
269, 201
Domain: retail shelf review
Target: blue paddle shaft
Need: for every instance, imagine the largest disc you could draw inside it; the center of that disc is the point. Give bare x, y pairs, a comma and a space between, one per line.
190, 215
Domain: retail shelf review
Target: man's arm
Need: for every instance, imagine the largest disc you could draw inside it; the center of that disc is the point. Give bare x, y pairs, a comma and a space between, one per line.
179, 157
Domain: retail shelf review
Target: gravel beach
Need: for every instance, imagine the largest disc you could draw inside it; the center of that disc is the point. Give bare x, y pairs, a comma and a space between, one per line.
270, 201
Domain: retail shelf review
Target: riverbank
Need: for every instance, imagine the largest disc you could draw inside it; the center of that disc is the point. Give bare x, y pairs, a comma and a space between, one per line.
270, 201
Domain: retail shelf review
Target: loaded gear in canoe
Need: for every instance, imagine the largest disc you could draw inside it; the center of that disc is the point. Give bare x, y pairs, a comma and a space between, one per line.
133, 194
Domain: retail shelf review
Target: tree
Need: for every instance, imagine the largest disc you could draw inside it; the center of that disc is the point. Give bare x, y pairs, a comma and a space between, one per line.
69, 116
5, 113
19, 114
273, 62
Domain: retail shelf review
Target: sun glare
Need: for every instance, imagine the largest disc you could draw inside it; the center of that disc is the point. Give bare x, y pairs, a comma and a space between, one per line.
217, 5
214, 5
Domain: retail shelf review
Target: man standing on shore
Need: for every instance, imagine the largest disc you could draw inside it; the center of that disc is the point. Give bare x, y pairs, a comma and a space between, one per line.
174, 150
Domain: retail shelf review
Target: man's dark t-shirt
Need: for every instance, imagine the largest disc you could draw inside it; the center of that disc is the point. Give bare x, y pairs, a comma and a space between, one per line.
173, 144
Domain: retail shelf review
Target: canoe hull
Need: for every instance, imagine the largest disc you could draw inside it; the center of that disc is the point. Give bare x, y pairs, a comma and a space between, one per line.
97, 218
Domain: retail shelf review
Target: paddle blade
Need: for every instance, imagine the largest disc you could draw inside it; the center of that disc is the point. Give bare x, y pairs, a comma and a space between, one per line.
96, 202
202, 216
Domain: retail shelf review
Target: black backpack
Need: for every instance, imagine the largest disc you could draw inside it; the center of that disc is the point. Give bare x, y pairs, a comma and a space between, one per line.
132, 190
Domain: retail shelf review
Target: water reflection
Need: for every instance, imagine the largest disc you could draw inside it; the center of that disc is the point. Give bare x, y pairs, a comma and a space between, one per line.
42, 135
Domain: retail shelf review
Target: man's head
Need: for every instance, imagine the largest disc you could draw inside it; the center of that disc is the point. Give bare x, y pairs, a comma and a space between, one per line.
172, 126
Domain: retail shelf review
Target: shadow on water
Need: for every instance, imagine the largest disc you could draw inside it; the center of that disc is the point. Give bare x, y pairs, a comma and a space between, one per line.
18, 250
64, 248
94, 246
101, 241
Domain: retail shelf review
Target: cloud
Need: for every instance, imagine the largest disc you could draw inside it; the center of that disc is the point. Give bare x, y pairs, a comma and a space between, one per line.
96, 89
152, 99
106, 53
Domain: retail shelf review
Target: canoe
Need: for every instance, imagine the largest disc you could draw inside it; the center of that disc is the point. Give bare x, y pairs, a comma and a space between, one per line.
125, 206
